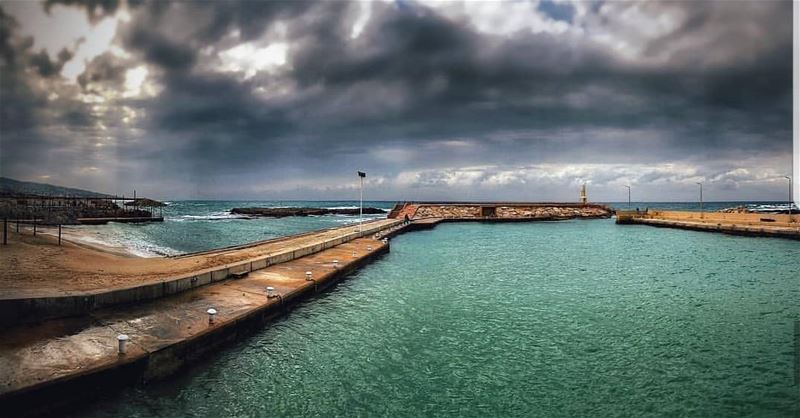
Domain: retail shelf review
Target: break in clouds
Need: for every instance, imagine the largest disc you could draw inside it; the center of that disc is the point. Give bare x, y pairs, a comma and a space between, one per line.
519, 100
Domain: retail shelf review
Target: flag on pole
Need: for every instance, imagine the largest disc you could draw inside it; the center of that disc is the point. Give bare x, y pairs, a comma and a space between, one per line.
361, 176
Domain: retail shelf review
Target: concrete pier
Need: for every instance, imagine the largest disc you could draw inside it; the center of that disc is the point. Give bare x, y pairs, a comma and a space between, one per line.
25, 306
751, 224
81, 353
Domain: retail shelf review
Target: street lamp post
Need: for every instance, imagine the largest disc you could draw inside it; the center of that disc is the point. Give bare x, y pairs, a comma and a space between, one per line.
701, 198
629, 196
791, 196
361, 176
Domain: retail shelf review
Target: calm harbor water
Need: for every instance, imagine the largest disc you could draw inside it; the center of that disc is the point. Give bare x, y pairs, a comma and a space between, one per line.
195, 225
580, 317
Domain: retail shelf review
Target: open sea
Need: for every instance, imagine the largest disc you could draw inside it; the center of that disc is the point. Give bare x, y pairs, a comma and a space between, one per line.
199, 225
570, 318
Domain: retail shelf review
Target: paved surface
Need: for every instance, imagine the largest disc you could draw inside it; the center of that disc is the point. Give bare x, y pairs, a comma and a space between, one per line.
59, 350
764, 230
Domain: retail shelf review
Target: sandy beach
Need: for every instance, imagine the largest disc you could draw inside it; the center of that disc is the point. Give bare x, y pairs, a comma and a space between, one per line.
38, 266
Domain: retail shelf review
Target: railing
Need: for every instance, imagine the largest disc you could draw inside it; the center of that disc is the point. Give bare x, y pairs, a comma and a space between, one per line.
33, 222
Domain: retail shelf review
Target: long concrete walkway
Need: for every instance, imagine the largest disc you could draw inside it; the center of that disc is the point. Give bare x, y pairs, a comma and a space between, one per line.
62, 359
751, 224
729, 228
123, 281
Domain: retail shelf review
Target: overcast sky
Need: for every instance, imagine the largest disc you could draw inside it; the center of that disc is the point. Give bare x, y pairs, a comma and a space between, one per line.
520, 100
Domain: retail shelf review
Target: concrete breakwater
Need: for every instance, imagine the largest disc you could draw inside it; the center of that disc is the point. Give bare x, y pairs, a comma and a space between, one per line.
752, 224
500, 211
162, 336
25, 307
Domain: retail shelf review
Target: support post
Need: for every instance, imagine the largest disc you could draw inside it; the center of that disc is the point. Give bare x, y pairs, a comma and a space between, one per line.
629, 196
791, 197
59, 234
361, 176
5, 231
701, 199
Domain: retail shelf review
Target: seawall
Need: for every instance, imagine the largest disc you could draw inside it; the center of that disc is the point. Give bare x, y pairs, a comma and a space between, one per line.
499, 212
29, 309
165, 335
750, 224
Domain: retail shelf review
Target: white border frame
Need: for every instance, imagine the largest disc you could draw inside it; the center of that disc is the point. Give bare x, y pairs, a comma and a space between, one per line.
796, 104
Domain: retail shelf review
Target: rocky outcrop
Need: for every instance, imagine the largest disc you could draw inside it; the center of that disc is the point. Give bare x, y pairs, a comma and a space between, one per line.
284, 212
448, 211
737, 209
552, 212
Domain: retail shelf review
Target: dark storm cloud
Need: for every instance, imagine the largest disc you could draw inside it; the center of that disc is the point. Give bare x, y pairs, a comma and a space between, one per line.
13, 87
7, 26
421, 89
48, 67
161, 51
484, 82
103, 69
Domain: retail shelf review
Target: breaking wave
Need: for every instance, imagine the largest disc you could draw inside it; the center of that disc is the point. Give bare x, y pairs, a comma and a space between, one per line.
217, 216
116, 238
768, 208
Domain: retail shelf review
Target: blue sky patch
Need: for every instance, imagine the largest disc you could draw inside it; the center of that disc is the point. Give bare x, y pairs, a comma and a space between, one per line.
557, 11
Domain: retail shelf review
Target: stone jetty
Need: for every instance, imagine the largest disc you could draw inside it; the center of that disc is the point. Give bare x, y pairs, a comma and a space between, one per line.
500, 211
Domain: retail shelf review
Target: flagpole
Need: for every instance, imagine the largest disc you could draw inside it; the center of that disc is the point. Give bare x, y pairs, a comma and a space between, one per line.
361, 208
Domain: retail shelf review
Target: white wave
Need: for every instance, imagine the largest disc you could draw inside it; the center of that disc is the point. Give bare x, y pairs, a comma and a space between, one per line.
769, 207
217, 216
348, 219
112, 239
351, 207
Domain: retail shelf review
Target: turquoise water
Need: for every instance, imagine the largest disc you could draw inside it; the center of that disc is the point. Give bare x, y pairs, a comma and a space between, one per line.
192, 225
575, 318
195, 225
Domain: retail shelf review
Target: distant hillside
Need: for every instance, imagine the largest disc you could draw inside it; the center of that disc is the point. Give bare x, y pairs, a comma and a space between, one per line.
15, 187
